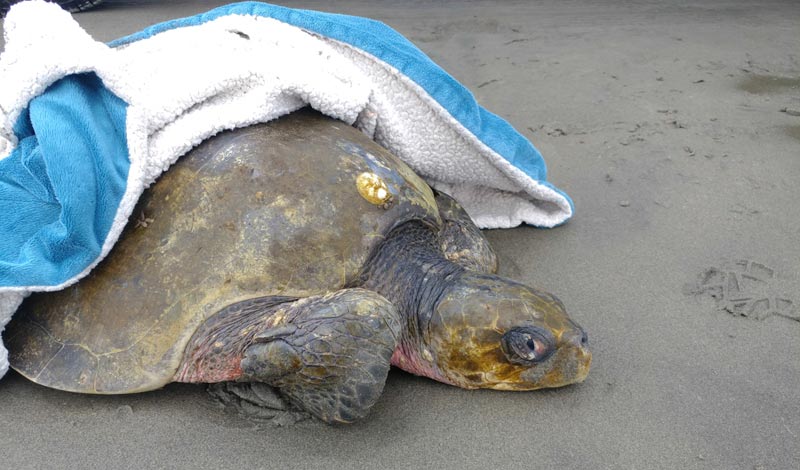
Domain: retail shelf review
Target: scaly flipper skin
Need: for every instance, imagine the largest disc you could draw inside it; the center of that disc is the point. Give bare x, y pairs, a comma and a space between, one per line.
329, 354
462, 241
256, 401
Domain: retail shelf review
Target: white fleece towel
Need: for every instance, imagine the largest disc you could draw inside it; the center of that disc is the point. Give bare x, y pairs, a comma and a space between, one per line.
76, 113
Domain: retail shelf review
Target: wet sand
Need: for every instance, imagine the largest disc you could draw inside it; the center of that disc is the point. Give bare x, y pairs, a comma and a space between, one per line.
664, 122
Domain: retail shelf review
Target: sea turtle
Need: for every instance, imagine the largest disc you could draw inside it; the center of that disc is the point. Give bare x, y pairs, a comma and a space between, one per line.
303, 255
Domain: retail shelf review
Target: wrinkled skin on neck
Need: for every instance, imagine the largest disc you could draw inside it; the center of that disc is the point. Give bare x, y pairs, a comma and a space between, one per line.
471, 329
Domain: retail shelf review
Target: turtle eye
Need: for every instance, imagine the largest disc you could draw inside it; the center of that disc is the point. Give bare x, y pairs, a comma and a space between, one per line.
527, 345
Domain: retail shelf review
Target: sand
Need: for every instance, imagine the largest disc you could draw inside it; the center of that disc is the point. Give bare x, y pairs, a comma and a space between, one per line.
663, 121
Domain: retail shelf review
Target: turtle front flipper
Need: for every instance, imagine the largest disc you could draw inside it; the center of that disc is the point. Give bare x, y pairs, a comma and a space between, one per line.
329, 355
461, 240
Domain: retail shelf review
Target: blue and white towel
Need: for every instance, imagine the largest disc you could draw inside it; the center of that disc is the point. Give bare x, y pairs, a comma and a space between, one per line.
86, 126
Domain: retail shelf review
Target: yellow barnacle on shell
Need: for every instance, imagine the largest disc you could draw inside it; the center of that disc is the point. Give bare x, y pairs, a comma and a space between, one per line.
373, 189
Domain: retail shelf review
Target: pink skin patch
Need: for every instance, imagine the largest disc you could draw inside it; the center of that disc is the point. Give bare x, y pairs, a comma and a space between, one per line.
407, 358
204, 365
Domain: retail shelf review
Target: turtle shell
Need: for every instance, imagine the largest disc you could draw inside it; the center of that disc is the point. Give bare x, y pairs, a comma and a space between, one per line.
268, 210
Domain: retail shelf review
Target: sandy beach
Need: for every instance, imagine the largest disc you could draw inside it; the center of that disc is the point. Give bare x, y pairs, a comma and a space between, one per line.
675, 128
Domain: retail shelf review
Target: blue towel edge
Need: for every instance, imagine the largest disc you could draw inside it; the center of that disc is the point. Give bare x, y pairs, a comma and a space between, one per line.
386, 44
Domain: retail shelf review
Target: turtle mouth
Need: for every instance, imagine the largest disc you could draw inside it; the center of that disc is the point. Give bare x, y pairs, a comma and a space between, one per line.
569, 367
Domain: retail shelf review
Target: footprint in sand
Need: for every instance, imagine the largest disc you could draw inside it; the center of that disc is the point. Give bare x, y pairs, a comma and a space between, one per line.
746, 288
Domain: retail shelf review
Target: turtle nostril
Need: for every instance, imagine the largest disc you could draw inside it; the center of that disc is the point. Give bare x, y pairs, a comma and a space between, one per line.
579, 338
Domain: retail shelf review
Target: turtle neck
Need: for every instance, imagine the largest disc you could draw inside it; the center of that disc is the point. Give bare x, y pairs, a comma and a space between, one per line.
409, 269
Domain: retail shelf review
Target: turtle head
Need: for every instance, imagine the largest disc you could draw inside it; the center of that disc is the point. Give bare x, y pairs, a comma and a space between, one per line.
489, 332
